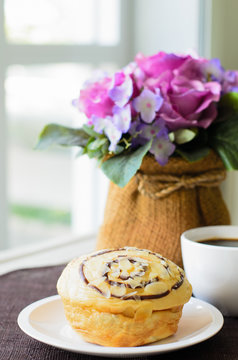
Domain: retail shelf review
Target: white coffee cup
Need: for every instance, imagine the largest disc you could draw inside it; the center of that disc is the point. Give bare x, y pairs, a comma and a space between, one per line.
212, 270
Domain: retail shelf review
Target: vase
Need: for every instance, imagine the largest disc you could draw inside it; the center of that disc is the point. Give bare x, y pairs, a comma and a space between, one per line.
160, 202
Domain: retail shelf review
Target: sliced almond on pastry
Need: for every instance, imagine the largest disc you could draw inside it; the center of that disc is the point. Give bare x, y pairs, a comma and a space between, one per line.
156, 288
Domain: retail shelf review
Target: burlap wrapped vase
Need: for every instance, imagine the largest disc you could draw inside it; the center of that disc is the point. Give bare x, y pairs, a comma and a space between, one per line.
161, 202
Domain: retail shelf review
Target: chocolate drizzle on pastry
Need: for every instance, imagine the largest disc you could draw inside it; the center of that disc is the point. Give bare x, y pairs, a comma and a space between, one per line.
115, 275
179, 283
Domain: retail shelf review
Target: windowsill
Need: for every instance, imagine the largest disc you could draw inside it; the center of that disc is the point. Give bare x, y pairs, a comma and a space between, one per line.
54, 252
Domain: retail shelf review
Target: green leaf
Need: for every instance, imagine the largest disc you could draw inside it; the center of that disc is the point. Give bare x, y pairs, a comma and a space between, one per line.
96, 144
94, 153
223, 138
227, 106
121, 168
119, 149
183, 136
171, 136
54, 134
194, 155
89, 130
229, 101
195, 149
104, 148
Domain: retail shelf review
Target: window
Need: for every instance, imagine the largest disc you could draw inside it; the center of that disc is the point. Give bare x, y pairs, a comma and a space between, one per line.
49, 48
62, 22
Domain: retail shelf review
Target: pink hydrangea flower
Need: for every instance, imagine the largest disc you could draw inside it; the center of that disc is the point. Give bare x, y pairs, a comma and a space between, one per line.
155, 95
157, 64
94, 98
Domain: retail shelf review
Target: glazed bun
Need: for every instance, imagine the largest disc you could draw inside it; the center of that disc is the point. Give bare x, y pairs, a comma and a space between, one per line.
123, 297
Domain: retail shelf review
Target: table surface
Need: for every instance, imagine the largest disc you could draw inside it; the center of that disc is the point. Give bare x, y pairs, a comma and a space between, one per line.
22, 287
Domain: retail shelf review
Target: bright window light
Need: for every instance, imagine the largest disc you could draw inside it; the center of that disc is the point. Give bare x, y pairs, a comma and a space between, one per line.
40, 182
62, 21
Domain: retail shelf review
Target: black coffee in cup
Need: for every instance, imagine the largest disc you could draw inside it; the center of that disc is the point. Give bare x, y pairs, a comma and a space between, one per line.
220, 242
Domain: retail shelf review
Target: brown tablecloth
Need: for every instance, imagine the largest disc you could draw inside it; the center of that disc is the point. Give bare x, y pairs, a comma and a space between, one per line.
22, 287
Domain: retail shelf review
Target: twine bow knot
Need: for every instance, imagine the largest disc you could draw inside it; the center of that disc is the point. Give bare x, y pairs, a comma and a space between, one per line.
157, 186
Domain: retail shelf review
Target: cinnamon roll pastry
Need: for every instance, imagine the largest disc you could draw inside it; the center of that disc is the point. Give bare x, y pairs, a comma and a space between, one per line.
123, 297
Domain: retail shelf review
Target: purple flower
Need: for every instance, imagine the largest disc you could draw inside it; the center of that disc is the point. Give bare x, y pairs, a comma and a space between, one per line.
190, 103
214, 69
162, 148
147, 104
98, 123
188, 97
113, 126
113, 135
153, 96
230, 81
151, 130
142, 132
122, 89
122, 118
192, 69
106, 126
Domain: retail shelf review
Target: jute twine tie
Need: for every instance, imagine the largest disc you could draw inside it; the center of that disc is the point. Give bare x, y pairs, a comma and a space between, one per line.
170, 183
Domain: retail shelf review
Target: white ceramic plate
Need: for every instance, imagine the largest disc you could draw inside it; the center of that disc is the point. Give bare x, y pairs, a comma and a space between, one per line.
44, 320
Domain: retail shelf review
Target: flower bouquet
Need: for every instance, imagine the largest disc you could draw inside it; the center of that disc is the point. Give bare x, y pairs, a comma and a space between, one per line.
158, 110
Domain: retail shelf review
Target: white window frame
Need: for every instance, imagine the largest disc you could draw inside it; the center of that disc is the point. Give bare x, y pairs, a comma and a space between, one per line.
30, 54
205, 28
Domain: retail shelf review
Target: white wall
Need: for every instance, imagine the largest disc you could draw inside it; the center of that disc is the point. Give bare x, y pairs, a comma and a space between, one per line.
168, 25
224, 32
